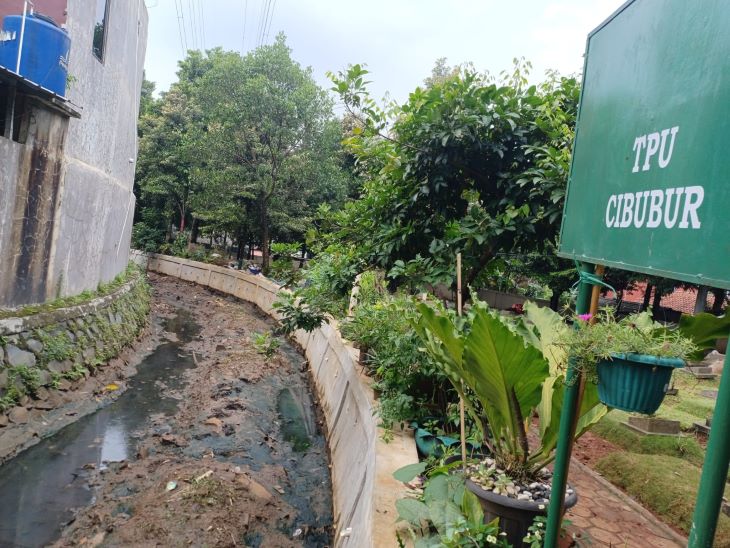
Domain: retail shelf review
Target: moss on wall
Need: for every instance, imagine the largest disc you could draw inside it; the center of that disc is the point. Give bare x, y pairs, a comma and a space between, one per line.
72, 348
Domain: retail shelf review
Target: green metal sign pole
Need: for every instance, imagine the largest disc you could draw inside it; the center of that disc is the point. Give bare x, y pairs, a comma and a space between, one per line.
714, 470
567, 428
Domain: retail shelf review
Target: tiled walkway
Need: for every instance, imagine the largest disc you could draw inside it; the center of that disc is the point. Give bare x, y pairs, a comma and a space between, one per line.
605, 516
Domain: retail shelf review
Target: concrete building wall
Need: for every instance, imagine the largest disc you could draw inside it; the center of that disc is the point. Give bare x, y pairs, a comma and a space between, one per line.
94, 220
66, 200
30, 182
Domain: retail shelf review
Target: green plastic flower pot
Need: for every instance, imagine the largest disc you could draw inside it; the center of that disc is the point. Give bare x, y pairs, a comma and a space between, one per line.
635, 382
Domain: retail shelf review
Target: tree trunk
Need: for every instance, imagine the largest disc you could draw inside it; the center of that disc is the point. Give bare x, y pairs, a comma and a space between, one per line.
304, 253
656, 304
483, 260
194, 232
555, 300
619, 300
719, 295
647, 297
264, 241
701, 301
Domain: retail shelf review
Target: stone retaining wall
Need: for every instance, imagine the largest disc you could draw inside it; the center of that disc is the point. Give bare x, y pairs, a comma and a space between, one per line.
364, 491
49, 350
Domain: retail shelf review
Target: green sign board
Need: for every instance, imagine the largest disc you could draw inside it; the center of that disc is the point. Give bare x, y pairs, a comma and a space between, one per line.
649, 187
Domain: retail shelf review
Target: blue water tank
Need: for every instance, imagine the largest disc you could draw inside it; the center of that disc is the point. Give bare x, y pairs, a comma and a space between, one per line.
44, 58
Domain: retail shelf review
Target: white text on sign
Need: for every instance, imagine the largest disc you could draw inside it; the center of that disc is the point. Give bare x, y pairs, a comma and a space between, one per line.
666, 208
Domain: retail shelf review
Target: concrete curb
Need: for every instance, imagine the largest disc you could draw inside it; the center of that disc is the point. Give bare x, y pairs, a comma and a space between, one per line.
363, 488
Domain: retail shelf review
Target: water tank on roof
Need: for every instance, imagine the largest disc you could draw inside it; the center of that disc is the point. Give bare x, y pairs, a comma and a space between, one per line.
44, 55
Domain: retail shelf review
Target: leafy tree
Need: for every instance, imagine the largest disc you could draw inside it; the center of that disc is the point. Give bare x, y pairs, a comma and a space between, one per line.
268, 141
440, 72
247, 147
469, 164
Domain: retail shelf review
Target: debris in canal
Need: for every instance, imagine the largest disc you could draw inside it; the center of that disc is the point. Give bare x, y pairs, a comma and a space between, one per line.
213, 426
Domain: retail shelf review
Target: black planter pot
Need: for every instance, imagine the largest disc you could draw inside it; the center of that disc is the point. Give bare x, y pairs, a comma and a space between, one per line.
515, 516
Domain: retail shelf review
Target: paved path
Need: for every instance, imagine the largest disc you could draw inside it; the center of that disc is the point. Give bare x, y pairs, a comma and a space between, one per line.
605, 516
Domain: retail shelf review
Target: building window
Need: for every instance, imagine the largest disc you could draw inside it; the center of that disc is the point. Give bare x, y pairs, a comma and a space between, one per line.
100, 26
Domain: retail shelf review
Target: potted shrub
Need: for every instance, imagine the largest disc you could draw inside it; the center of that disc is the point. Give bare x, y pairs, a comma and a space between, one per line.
508, 370
631, 360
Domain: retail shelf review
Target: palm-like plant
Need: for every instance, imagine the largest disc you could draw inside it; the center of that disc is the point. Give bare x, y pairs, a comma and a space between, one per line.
506, 371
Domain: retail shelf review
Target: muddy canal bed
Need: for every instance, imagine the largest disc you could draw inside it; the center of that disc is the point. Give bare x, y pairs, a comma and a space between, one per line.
213, 444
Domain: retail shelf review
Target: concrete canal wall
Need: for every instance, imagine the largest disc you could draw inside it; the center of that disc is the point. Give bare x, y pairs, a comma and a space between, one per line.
364, 491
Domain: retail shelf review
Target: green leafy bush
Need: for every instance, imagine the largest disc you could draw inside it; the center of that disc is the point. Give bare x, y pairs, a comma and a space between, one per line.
147, 238
446, 514
265, 344
297, 314
410, 385
325, 289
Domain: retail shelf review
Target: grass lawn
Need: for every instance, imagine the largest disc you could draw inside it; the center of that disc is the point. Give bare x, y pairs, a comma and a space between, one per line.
665, 485
663, 472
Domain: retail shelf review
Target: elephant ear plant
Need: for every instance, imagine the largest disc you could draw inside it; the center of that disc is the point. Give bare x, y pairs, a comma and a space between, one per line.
507, 371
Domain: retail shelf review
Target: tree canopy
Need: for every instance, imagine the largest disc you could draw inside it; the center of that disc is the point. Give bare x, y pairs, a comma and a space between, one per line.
469, 164
246, 145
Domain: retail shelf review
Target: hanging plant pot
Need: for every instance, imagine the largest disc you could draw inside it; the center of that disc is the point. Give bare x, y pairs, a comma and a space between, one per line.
635, 382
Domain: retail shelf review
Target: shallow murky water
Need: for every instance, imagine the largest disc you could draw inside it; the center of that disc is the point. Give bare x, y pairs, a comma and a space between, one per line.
40, 487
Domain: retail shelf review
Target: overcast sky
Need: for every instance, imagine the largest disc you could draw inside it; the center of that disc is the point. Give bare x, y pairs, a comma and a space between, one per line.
399, 40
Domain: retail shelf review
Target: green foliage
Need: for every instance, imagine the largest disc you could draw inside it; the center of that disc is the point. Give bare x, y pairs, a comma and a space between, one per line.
704, 329
283, 269
325, 289
447, 515
78, 371
506, 372
147, 238
536, 532
636, 334
11, 397
265, 344
132, 271
28, 376
468, 164
410, 384
179, 246
57, 347
242, 145
297, 314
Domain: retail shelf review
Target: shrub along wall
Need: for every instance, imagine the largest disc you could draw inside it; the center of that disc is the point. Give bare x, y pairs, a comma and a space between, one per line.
51, 349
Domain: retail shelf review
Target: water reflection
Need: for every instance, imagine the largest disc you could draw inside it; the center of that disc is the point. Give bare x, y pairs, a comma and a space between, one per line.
40, 488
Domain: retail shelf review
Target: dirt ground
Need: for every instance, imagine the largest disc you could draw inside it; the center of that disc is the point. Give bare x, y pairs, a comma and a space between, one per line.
590, 448
219, 471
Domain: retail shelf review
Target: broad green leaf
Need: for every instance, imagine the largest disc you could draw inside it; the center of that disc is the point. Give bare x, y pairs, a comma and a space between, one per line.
497, 362
553, 392
472, 509
410, 471
441, 488
550, 328
704, 329
413, 511
444, 513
